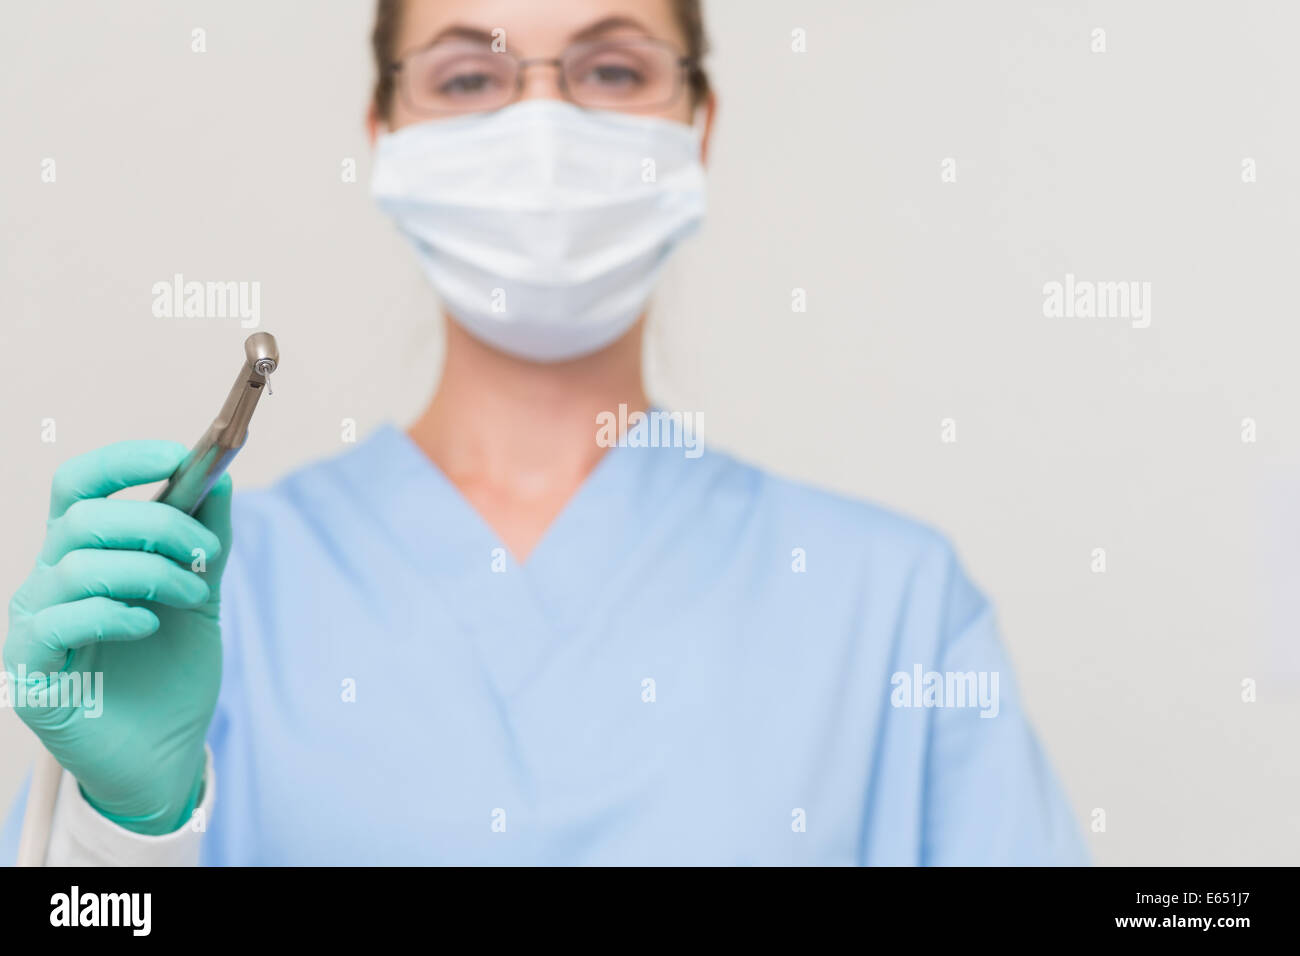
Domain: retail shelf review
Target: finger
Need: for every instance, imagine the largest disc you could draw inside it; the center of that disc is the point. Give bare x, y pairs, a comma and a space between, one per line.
42, 642
130, 526
99, 473
125, 575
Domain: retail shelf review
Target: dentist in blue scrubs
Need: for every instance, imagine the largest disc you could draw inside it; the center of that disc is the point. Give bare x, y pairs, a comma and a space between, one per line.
544, 624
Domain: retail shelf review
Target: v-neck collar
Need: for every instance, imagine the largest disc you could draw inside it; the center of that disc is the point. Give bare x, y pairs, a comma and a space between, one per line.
448, 489
517, 616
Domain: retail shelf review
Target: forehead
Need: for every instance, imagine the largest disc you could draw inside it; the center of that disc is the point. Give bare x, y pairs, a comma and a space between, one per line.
534, 27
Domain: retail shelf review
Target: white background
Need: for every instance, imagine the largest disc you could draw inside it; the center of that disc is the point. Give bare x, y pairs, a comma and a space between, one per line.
925, 302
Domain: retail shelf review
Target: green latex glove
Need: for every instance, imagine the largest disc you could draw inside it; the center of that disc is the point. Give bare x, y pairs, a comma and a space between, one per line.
114, 593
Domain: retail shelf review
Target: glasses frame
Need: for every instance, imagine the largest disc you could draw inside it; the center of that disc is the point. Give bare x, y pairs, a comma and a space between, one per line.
685, 66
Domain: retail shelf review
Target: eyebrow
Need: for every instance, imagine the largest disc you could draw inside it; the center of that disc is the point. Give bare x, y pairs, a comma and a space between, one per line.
461, 31
608, 25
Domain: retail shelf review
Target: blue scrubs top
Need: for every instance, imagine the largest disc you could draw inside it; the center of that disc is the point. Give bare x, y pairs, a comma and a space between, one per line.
699, 663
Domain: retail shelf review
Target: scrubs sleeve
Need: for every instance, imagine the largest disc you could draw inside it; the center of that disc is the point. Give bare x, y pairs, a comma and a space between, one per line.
13, 825
991, 797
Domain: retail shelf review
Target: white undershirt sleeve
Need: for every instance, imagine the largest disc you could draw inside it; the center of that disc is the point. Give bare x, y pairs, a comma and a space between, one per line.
81, 836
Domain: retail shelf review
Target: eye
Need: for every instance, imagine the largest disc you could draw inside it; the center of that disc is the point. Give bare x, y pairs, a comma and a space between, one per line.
452, 78
614, 75
467, 84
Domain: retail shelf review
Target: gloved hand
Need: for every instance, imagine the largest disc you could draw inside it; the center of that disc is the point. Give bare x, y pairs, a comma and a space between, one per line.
115, 592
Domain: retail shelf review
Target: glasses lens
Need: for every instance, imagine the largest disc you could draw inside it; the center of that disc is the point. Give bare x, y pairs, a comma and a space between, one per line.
458, 77
622, 74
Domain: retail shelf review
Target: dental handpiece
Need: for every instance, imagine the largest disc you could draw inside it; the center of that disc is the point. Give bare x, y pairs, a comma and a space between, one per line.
189, 484
208, 460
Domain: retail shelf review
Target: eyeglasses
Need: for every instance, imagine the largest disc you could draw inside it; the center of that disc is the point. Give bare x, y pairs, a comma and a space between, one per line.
461, 76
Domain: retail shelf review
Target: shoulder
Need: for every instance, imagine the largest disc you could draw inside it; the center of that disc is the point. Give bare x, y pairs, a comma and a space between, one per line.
355, 472
855, 545
851, 522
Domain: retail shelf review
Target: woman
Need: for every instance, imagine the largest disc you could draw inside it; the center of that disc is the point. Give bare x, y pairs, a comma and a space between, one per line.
494, 638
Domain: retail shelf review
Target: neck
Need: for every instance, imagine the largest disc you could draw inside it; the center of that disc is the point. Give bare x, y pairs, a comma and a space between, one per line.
523, 430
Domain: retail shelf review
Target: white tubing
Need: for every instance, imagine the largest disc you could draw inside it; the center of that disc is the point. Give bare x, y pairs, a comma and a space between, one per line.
39, 817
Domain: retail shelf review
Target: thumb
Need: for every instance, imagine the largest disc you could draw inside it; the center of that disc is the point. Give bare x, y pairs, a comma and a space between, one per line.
214, 514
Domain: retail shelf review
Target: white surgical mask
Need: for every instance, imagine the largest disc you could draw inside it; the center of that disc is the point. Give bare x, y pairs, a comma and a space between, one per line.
543, 226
